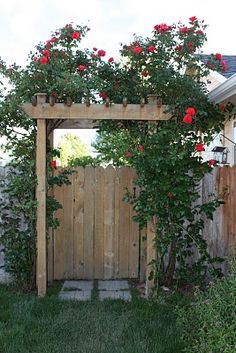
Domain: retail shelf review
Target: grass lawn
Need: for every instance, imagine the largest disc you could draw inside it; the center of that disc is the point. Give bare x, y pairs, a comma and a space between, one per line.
32, 325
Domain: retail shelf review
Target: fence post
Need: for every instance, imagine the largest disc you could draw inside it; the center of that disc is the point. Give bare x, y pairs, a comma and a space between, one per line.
41, 199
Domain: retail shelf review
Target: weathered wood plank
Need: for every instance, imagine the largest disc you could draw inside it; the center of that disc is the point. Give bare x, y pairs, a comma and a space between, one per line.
116, 223
124, 225
109, 216
78, 211
96, 112
134, 232
99, 224
59, 235
143, 254
50, 233
41, 208
89, 222
68, 229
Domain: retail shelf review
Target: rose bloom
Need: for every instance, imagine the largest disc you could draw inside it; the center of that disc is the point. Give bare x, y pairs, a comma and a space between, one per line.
137, 50
183, 30
151, 49
200, 32
102, 95
223, 66
178, 48
43, 60
128, 154
190, 111
199, 147
144, 73
211, 162
187, 119
81, 67
95, 49
193, 19
75, 35
101, 53
53, 164
140, 148
218, 56
190, 45
45, 52
110, 60
222, 107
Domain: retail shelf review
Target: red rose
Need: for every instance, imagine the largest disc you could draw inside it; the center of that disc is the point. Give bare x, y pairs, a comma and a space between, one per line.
151, 49
81, 67
140, 148
45, 52
187, 119
95, 49
222, 107
193, 19
190, 45
211, 162
200, 32
223, 66
218, 56
102, 95
53, 164
110, 60
43, 60
178, 48
101, 53
190, 111
75, 35
162, 28
53, 39
199, 147
144, 73
183, 30
128, 154
137, 50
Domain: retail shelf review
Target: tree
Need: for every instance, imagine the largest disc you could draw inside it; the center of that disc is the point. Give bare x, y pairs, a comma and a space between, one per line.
70, 147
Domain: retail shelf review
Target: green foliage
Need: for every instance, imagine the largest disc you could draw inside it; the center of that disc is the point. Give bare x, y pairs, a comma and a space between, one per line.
164, 154
85, 161
70, 146
212, 316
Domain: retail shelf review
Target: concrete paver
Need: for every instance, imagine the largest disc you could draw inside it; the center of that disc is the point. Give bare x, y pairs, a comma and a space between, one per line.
75, 295
113, 285
79, 285
118, 294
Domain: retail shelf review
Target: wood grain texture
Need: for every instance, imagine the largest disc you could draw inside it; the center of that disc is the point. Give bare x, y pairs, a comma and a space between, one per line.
41, 208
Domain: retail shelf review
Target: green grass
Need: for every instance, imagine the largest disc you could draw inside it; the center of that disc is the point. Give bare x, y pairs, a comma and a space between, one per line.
32, 325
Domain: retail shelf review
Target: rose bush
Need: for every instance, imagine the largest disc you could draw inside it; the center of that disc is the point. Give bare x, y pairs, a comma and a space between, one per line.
166, 155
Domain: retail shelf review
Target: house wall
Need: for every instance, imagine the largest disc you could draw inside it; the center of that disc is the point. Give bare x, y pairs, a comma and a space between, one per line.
229, 133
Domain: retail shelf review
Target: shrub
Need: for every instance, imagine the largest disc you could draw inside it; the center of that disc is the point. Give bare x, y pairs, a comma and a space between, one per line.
212, 317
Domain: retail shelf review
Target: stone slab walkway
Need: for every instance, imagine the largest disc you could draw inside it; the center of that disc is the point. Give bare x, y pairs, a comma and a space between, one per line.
84, 290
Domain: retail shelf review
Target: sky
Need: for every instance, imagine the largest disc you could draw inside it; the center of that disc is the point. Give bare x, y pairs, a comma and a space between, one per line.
24, 23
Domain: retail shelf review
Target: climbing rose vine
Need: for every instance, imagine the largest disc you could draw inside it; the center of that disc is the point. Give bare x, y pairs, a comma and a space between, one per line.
166, 155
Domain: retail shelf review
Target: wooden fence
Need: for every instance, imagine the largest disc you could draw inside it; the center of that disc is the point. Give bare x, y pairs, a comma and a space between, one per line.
97, 237
220, 232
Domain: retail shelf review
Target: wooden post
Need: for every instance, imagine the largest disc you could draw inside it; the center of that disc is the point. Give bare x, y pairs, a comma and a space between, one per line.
41, 198
151, 255
50, 234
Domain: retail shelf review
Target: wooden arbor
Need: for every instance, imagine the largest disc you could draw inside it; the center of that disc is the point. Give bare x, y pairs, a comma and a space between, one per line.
50, 117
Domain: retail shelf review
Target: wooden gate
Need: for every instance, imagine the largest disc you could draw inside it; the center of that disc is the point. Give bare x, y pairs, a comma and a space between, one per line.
97, 237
